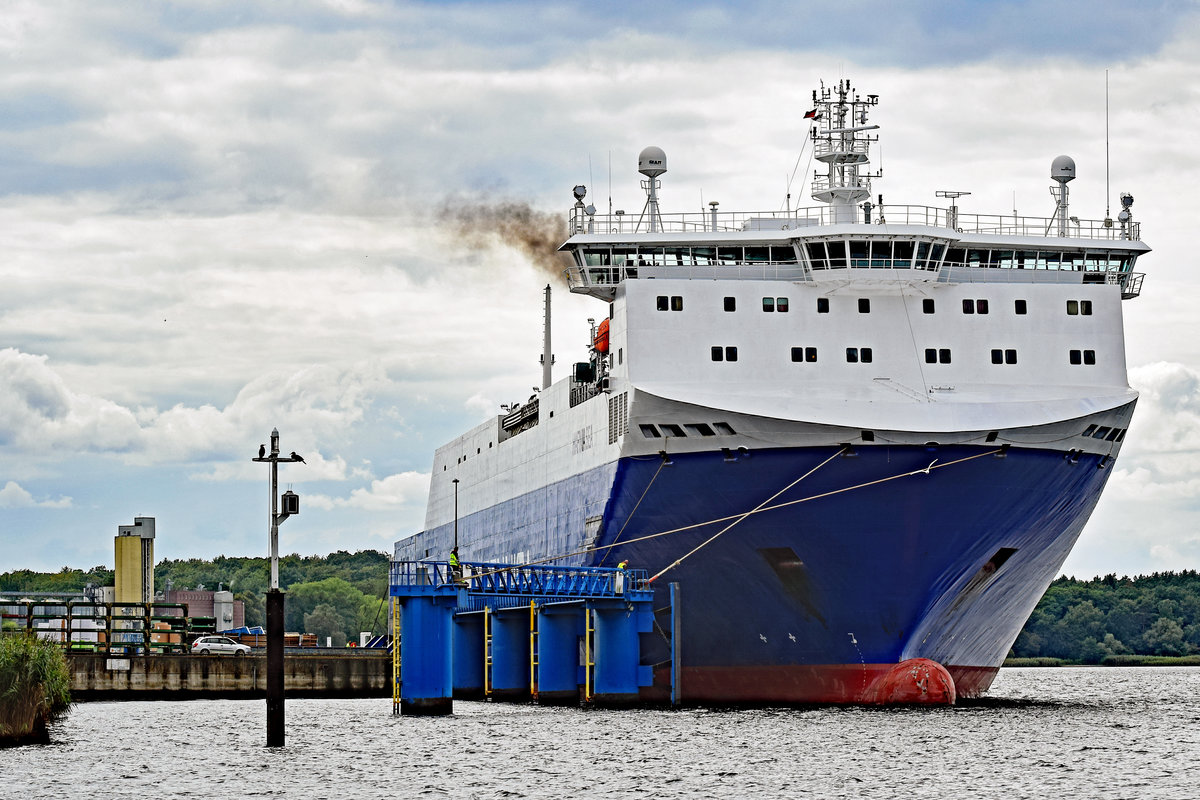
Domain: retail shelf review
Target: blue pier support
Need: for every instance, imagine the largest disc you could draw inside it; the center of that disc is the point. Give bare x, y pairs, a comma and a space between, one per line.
428, 598
468, 656
510, 654
559, 628
617, 674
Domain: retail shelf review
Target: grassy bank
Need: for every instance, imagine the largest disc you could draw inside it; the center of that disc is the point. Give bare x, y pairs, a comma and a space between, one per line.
1109, 661
34, 688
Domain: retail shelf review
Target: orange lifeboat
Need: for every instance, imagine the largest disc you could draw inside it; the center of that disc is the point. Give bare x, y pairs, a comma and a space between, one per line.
600, 343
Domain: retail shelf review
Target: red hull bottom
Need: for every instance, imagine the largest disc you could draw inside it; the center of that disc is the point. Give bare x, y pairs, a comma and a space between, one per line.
913, 682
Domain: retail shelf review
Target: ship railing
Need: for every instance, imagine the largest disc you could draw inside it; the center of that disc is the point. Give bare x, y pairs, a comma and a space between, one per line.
514, 580
818, 216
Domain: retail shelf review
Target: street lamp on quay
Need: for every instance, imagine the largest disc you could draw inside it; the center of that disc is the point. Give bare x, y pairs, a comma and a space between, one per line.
291, 505
455, 514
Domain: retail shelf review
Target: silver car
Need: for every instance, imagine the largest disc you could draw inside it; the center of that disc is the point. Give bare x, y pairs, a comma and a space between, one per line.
219, 645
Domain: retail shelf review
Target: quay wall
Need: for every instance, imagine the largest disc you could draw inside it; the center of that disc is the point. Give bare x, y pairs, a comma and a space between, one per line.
98, 676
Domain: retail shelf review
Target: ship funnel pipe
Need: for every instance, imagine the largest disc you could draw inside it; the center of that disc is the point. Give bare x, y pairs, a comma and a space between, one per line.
547, 356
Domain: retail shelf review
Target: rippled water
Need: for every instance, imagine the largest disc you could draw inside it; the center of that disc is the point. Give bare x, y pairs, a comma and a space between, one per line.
1042, 733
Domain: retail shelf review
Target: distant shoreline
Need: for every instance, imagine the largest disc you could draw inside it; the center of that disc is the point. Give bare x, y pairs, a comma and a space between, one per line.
1108, 661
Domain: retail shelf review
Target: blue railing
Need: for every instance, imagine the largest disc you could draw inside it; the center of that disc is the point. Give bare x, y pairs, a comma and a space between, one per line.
511, 580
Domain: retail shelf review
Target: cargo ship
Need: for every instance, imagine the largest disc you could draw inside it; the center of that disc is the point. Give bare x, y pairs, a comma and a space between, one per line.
861, 438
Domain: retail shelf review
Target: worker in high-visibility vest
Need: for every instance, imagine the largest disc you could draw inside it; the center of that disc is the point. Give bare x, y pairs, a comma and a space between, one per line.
455, 566
624, 564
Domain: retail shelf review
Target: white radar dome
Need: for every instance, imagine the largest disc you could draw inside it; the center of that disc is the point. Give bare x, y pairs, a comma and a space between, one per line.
652, 162
1062, 169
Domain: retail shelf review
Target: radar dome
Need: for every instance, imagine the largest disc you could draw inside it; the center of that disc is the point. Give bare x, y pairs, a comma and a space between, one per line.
1062, 169
652, 162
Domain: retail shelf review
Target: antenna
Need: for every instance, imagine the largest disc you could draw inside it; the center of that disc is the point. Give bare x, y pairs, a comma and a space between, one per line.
1107, 188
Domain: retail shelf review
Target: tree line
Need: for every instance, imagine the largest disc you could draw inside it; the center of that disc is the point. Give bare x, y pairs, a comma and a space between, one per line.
343, 593
335, 596
1088, 621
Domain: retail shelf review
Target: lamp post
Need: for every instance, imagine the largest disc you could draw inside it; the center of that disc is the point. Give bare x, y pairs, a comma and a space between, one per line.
456, 513
275, 607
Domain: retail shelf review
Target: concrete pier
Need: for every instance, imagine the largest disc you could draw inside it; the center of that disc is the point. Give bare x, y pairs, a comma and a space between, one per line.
96, 676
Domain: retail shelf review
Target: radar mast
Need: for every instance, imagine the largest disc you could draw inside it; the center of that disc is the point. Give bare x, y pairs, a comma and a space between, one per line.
840, 141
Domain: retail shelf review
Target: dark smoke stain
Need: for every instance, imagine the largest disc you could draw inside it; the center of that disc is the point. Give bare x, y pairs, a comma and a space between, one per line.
535, 234
793, 574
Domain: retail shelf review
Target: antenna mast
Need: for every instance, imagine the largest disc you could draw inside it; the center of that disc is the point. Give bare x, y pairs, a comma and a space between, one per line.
840, 142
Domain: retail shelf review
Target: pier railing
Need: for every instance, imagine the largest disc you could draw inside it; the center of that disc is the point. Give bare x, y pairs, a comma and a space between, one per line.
512, 580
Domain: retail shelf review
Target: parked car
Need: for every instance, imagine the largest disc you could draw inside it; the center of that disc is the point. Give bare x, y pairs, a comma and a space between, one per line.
220, 645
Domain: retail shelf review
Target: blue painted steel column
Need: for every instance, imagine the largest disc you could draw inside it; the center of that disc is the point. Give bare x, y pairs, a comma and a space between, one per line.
559, 628
468, 656
617, 654
426, 658
510, 653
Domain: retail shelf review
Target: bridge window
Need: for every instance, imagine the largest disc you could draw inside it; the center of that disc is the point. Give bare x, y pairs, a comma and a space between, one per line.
837, 255
859, 254
816, 254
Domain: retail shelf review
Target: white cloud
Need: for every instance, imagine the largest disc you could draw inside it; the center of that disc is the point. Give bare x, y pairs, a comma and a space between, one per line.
13, 496
404, 489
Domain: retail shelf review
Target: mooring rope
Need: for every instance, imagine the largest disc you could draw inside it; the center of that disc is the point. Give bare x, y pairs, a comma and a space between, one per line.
933, 465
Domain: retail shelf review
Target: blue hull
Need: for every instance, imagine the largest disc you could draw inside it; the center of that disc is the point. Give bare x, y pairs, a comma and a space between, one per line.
872, 566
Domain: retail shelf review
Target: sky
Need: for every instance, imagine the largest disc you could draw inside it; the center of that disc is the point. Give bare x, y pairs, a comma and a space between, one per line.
218, 218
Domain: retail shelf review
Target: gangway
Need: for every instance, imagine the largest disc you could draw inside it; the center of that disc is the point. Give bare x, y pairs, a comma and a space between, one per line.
516, 632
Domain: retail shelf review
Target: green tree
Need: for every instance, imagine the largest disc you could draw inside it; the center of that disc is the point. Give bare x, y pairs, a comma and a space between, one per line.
1165, 638
324, 621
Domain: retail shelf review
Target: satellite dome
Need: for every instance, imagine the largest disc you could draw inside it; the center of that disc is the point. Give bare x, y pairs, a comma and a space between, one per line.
1062, 169
652, 162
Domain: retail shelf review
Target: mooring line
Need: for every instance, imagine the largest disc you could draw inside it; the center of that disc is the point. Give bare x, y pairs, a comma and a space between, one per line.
933, 465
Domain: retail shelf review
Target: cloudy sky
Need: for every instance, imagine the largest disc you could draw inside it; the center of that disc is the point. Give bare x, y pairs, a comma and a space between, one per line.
221, 217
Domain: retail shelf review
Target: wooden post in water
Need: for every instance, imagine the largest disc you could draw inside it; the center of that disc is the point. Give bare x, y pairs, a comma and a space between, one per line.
275, 714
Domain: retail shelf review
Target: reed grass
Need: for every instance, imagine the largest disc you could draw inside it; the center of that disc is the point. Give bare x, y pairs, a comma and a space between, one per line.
35, 687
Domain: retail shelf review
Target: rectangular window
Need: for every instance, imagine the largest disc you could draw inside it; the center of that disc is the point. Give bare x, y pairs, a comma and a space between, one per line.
810, 354
837, 255
781, 305
981, 306
663, 303
1020, 306
768, 304
858, 254
731, 354
944, 355
997, 356
1010, 356
797, 354
1076, 357
822, 305
816, 254
865, 355
852, 355
930, 355
718, 353
731, 304
968, 306
864, 305
927, 305
1072, 308
1085, 307
676, 303
1089, 357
